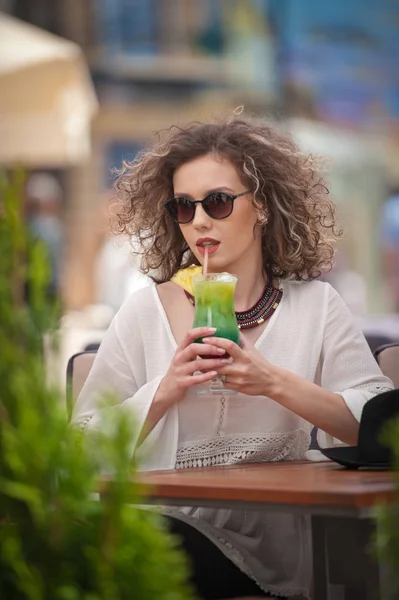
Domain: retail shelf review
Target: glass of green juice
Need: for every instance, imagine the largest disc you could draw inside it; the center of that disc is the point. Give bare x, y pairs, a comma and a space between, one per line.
214, 307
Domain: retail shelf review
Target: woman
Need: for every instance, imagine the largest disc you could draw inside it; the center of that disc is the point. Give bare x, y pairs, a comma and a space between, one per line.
261, 206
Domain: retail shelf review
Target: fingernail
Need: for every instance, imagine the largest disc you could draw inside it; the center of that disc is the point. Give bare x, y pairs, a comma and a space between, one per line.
212, 329
225, 361
221, 351
205, 340
212, 374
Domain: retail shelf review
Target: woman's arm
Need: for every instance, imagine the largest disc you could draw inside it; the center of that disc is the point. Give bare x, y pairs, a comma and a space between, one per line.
349, 376
111, 381
192, 365
112, 374
324, 409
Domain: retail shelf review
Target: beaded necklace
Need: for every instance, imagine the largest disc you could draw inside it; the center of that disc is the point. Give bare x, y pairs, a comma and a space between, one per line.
260, 312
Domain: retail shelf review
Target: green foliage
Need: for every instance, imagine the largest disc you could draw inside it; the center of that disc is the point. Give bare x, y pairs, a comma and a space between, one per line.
387, 535
57, 541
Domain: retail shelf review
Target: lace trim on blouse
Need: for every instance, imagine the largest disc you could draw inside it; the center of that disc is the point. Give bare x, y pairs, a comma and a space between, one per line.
231, 552
239, 448
237, 558
85, 423
374, 388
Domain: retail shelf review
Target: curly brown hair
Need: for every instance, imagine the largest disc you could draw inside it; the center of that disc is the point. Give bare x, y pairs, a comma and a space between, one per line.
294, 209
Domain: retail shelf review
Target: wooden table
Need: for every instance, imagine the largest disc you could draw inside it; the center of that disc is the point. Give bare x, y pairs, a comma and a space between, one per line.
340, 503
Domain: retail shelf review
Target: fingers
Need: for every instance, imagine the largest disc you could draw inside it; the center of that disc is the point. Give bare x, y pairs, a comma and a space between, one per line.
194, 350
229, 369
203, 365
194, 334
194, 362
198, 378
227, 345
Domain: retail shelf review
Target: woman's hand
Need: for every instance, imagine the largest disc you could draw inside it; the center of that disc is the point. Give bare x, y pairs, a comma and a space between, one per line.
186, 364
248, 372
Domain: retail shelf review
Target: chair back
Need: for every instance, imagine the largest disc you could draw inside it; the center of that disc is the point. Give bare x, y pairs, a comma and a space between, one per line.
387, 357
78, 368
377, 340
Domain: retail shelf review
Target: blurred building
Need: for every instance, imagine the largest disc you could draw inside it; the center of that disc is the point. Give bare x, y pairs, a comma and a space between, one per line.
328, 70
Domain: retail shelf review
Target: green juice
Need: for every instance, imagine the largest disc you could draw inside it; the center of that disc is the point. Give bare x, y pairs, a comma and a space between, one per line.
214, 305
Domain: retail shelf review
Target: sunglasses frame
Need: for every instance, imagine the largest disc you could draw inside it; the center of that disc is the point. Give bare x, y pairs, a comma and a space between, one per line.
193, 203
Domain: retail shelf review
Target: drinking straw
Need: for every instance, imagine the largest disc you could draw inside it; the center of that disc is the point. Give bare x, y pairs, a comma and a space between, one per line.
205, 269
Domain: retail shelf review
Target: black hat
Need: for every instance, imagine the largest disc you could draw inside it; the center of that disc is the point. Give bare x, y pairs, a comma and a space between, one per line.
370, 450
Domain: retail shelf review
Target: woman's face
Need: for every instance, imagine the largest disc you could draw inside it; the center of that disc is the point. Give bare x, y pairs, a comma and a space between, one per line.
232, 239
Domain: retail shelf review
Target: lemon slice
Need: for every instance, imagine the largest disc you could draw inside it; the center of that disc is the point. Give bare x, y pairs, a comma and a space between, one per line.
184, 278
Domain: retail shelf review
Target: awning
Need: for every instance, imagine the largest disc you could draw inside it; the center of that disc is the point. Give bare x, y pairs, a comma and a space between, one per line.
47, 98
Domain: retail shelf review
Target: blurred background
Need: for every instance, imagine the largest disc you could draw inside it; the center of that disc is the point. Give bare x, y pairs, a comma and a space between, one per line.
91, 82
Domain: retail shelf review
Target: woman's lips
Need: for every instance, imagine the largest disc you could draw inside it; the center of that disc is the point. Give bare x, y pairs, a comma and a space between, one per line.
211, 249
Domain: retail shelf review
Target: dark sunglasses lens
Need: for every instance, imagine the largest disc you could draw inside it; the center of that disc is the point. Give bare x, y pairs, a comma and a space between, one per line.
181, 209
219, 205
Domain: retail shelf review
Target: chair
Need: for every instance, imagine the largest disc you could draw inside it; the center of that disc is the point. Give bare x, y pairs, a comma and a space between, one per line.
78, 368
376, 340
92, 347
387, 357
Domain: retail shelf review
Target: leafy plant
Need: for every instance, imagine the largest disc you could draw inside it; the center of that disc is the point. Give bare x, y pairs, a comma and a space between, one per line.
387, 534
57, 542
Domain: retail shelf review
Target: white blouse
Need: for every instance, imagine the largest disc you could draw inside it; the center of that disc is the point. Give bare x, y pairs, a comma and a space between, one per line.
311, 334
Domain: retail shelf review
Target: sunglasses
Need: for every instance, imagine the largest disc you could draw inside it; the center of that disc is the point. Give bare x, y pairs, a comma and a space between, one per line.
217, 205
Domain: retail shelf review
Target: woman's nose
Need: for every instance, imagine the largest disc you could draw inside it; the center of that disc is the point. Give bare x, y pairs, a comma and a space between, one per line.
201, 219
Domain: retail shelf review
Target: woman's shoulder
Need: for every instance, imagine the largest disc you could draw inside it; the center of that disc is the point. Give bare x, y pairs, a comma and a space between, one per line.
138, 303
150, 299
314, 297
168, 292
302, 289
